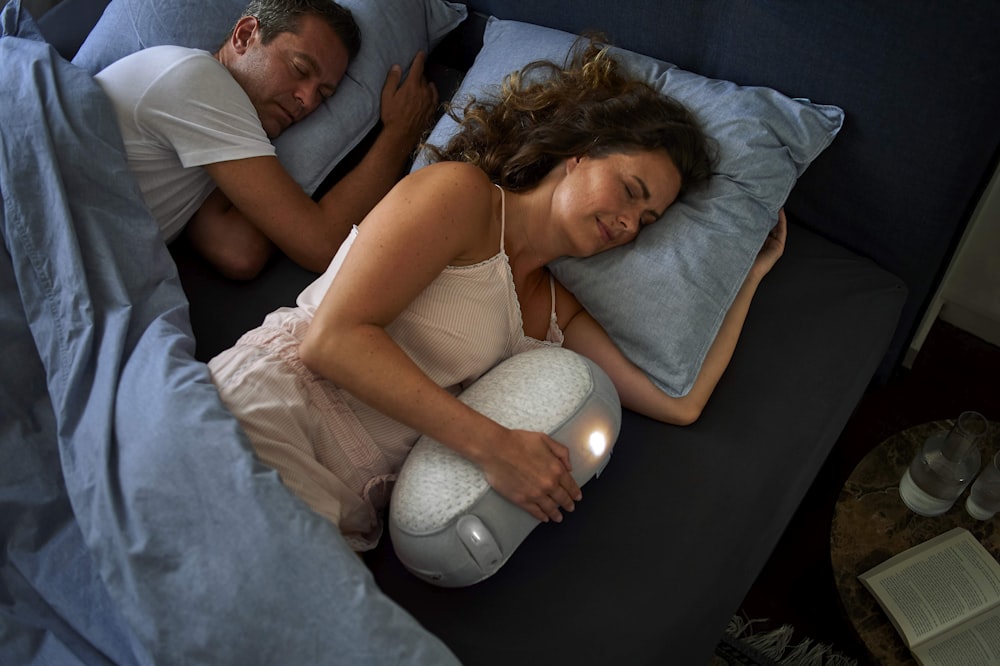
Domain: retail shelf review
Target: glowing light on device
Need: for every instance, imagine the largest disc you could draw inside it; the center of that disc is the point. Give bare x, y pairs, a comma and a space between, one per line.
598, 443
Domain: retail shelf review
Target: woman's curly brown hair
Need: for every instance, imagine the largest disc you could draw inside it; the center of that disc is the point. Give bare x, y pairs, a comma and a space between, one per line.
546, 113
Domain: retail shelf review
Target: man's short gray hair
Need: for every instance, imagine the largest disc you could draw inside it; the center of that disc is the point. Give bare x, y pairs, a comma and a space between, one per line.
277, 16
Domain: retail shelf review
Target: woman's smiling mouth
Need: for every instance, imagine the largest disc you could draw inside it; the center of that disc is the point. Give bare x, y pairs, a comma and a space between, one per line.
604, 231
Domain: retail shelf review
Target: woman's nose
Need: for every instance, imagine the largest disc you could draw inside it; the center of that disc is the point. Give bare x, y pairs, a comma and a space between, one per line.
629, 221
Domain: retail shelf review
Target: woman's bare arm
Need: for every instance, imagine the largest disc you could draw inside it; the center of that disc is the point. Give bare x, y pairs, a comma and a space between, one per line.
439, 216
584, 335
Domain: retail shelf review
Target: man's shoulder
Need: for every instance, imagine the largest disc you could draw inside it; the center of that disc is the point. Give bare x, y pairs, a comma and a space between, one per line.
166, 76
176, 57
155, 61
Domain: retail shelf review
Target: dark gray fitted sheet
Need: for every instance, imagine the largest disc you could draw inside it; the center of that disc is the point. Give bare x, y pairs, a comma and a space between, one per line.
668, 540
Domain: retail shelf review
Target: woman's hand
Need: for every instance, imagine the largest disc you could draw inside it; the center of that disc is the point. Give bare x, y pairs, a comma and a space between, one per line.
532, 470
773, 248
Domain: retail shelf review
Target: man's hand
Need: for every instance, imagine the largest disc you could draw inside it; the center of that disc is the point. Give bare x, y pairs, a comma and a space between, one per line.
407, 108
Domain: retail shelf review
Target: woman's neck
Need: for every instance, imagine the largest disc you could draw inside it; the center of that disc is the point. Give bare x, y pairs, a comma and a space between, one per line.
529, 238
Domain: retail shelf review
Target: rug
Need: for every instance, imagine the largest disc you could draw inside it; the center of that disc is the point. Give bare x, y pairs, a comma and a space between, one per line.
742, 646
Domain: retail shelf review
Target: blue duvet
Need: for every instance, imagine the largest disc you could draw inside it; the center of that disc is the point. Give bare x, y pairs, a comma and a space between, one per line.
135, 525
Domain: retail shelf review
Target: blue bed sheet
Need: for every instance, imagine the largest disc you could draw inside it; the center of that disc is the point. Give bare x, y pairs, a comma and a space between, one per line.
135, 524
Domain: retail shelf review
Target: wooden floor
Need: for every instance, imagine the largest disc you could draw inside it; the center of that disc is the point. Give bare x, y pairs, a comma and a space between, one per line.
954, 371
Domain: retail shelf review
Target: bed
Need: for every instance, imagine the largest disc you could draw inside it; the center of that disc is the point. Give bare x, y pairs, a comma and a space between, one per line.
137, 526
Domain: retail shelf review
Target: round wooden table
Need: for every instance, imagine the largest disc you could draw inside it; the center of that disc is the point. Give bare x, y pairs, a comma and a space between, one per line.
871, 524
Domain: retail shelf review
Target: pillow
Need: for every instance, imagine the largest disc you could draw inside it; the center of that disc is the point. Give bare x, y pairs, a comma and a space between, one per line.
391, 33
663, 297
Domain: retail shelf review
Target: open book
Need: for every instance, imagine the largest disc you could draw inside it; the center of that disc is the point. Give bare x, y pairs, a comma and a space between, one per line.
943, 596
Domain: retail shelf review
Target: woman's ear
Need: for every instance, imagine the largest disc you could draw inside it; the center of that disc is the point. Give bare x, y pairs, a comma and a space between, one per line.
572, 163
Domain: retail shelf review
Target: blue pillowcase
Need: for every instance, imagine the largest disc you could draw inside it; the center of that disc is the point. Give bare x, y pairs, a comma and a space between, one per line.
663, 297
391, 33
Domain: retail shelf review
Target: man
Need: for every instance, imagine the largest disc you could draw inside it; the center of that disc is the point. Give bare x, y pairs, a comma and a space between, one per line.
197, 127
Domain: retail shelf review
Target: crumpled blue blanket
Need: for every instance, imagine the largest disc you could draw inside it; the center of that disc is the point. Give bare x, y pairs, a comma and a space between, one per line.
135, 524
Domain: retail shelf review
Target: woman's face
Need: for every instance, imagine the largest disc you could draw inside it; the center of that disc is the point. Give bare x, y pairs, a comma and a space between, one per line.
607, 200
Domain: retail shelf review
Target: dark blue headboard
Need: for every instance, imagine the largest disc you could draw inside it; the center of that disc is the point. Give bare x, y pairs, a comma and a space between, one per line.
919, 81
67, 23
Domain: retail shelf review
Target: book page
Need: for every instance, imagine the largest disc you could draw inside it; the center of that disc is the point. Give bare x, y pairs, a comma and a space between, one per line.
932, 587
976, 642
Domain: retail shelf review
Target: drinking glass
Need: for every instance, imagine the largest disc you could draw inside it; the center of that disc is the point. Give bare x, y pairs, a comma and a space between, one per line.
984, 497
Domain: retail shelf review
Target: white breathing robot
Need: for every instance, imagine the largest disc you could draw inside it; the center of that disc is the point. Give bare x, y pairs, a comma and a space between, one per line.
447, 525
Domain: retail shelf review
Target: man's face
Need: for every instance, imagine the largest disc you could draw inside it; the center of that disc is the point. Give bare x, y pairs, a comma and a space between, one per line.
287, 78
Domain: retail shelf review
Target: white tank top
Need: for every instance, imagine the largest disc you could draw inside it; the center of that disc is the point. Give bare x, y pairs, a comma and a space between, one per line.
464, 322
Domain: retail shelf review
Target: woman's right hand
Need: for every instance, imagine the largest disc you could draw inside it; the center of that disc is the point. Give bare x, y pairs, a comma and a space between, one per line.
532, 470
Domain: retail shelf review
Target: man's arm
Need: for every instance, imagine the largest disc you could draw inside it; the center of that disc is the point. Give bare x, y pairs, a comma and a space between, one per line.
406, 112
260, 203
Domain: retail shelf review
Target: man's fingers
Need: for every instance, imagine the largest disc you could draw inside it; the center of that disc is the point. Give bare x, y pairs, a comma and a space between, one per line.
417, 68
393, 77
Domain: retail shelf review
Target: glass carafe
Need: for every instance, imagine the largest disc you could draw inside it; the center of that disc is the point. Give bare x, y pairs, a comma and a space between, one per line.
943, 466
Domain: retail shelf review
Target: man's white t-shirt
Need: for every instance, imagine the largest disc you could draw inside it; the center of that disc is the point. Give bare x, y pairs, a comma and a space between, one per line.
179, 109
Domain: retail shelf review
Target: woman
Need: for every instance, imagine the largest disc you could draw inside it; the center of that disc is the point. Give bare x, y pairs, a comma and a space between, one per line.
447, 277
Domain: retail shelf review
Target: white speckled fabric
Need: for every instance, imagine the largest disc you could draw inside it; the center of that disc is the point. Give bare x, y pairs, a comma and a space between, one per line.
538, 390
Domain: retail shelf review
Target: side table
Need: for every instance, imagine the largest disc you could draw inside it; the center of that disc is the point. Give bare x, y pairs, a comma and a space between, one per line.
871, 524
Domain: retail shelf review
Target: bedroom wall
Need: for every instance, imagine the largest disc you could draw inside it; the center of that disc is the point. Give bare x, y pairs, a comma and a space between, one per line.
969, 295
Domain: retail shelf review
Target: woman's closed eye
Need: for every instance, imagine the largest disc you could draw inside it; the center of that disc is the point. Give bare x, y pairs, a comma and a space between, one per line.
647, 217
